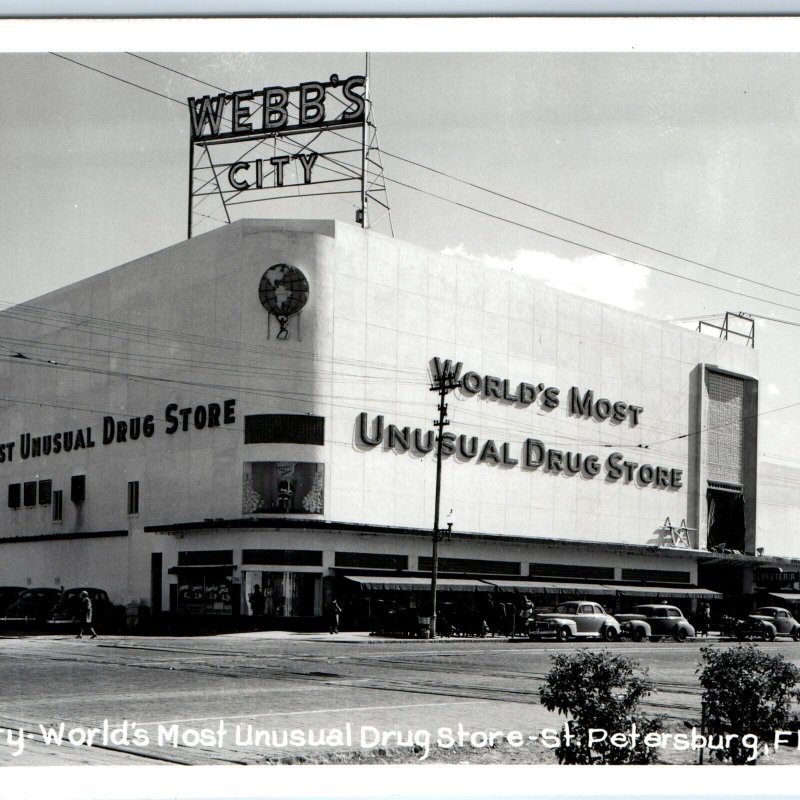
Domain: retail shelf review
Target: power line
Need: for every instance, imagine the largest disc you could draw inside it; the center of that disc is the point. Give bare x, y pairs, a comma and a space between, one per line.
589, 247
594, 228
509, 221
526, 204
117, 78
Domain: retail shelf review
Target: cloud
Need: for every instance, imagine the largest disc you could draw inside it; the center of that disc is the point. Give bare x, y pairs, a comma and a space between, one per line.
598, 277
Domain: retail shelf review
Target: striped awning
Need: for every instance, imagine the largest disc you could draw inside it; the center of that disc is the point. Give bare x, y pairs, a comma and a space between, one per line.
787, 597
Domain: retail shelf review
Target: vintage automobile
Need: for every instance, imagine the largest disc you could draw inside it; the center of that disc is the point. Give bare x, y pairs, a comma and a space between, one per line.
9, 595
654, 622
105, 614
33, 605
780, 619
575, 619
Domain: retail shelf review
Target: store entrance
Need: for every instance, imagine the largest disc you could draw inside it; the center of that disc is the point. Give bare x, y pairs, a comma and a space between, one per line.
285, 594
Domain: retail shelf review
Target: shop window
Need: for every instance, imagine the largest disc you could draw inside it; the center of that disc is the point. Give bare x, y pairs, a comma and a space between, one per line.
660, 575
283, 487
461, 565
14, 495
45, 492
285, 594
284, 429
295, 558
195, 558
58, 500
571, 571
205, 591
371, 560
29, 493
133, 497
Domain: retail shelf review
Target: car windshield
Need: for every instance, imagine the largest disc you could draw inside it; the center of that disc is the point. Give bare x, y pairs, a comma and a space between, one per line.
567, 608
766, 612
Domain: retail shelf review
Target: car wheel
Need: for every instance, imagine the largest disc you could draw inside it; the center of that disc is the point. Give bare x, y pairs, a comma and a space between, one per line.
680, 635
637, 634
768, 635
796, 635
563, 633
610, 634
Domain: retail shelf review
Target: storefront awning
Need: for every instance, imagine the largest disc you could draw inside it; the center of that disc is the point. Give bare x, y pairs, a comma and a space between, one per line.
787, 597
669, 591
548, 587
408, 583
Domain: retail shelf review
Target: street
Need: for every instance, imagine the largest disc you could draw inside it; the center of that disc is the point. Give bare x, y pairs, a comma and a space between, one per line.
304, 698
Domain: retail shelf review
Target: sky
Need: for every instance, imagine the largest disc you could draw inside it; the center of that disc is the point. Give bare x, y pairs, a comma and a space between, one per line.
693, 154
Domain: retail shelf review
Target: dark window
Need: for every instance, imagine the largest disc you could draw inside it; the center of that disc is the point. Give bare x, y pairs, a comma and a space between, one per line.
371, 560
570, 571
29, 493
665, 575
471, 565
58, 499
14, 495
284, 429
133, 497
78, 488
199, 558
298, 558
45, 492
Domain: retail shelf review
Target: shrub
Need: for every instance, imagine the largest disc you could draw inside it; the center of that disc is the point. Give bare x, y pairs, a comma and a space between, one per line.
596, 690
745, 691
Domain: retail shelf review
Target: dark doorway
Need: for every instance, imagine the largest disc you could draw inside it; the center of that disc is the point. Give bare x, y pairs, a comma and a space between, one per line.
725, 519
156, 565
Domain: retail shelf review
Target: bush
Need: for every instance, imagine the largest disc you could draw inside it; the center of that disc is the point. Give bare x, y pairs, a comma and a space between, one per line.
745, 692
596, 690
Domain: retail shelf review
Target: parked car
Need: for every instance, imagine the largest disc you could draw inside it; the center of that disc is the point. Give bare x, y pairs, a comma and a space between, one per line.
753, 627
654, 622
33, 605
104, 613
9, 595
577, 618
778, 618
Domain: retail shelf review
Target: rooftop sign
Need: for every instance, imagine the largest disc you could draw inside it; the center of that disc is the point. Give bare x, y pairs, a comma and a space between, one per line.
280, 142
278, 110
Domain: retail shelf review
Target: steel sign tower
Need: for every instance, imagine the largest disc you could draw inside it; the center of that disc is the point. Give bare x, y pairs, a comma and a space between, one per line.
256, 147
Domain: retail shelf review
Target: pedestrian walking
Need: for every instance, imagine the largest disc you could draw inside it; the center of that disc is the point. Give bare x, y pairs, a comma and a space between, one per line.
86, 615
334, 612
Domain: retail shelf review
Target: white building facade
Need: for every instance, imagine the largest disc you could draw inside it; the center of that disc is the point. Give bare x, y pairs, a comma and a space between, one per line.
254, 406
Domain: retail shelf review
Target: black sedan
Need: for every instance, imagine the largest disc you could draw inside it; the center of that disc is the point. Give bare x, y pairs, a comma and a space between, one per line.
9, 595
33, 605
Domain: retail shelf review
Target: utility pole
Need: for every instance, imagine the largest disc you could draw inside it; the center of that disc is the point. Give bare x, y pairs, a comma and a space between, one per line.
446, 377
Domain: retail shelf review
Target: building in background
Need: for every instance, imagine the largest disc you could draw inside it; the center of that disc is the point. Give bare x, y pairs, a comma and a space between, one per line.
253, 407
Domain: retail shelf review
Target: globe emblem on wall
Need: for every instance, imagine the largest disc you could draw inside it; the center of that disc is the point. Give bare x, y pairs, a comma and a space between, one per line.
283, 291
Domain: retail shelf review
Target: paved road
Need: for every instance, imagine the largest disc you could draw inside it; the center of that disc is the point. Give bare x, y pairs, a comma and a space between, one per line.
231, 698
